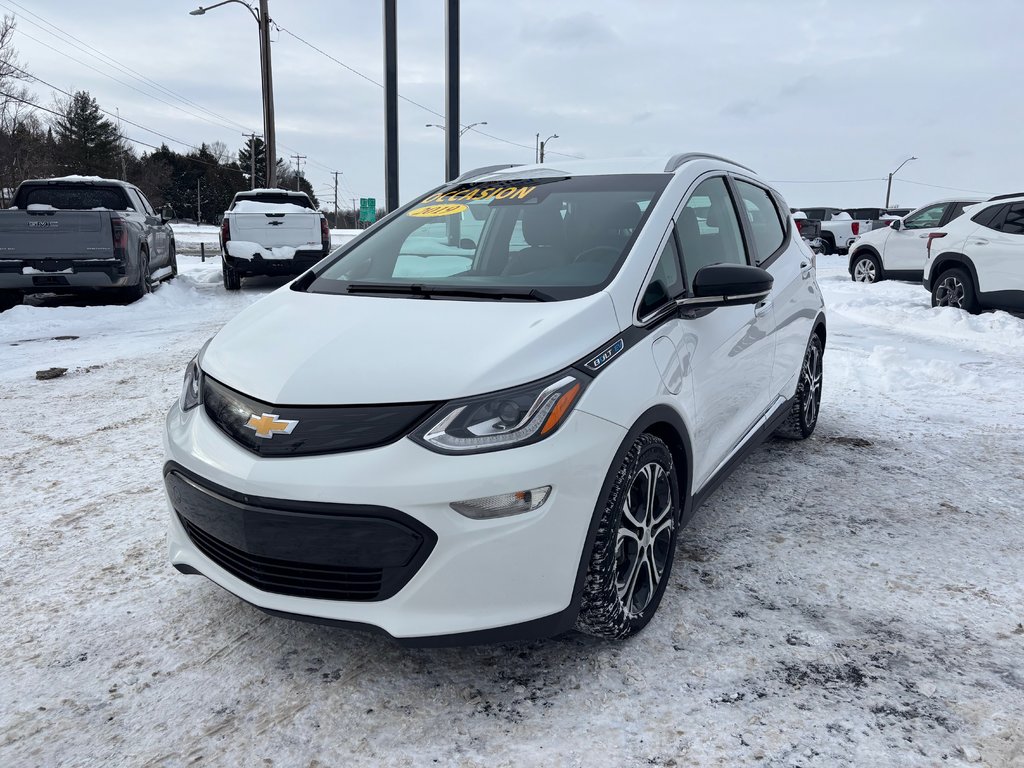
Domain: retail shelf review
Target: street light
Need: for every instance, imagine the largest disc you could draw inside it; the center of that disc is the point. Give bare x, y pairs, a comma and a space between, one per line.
462, 131
888, 189
544, 144
262, 17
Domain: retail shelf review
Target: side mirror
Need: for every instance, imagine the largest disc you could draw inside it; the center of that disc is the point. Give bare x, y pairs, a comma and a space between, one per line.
897, 225
167, 213
728, 285
466, 244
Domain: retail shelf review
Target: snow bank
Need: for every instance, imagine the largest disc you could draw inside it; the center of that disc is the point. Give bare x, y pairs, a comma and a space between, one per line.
242, 249
41, 207
256, 206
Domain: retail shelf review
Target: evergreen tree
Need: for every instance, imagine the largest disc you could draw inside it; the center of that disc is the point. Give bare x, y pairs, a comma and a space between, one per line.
87, 142
245, 163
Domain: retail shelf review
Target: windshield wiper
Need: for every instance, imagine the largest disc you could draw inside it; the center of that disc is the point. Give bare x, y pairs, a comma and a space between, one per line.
426, 291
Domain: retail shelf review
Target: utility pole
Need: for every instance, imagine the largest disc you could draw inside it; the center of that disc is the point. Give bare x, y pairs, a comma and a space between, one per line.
888, 188
120, 136
544, 144
536, 149
452, 127
390, 105
199, 209
336, 198
298, 168
355, 214
269, 133
252, 159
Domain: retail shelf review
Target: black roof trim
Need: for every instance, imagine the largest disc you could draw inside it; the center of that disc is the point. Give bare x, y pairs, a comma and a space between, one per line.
676, 161
1005, 197
485, 169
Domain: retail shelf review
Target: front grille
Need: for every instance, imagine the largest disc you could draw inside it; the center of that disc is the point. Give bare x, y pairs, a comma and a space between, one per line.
300, 548
314, 429
289, 578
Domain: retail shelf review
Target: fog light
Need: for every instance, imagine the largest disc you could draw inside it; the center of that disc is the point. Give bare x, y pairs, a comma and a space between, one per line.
502, 505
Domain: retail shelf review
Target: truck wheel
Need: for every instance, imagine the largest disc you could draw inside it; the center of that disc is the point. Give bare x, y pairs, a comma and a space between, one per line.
9, 299
828, 245
232, 280
173, 261
636, 540
145, 282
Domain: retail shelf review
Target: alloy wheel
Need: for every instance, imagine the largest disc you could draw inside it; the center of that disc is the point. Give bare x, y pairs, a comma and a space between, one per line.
951, 293
643, 543
864, 271
812, 376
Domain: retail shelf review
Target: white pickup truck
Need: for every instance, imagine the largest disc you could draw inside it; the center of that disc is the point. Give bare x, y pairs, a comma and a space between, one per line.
838, 228
271, 232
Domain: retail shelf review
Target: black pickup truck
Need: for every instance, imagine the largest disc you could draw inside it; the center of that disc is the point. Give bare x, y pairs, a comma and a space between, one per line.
83, 234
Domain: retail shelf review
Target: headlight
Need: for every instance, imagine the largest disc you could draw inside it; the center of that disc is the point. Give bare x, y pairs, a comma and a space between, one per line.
190, 388
505, 419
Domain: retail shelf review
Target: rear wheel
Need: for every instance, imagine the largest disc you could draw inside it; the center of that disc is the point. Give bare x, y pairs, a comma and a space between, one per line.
803, 415
828, 245
9, 299
635, 545
954, 288
232, 280
145, 281
173, 260
866, 269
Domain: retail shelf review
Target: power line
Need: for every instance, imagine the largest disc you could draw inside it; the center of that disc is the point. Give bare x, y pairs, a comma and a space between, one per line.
406, 98
936, 186
108, 60
820, 181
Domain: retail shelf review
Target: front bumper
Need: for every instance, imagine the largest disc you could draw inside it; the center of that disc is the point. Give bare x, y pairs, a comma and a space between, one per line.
479, 576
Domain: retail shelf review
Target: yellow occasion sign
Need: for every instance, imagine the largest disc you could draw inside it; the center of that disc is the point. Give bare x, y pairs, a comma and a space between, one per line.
480, 193
438, 210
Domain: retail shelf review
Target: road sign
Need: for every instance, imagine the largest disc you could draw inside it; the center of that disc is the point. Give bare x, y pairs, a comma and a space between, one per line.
368, 209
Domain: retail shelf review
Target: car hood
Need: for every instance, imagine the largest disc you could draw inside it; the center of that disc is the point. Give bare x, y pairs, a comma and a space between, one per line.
874, 237
295, 348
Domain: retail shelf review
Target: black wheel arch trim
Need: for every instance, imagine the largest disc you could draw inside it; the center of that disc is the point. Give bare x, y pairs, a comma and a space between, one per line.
860, 251
945, 261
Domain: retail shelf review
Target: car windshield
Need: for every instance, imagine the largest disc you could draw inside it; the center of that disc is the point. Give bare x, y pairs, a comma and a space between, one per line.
530, 239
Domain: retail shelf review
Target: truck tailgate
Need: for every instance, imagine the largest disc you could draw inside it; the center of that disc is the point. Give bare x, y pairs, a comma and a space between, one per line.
55, 235
298, 230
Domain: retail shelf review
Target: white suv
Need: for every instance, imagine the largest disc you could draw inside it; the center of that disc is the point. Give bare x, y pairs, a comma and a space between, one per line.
897, 252
488, 416
977, 261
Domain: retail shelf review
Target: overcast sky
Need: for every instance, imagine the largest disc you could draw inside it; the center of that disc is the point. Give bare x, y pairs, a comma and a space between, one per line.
815, 91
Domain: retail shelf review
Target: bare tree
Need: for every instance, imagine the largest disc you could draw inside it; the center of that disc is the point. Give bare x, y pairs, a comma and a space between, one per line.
22, 149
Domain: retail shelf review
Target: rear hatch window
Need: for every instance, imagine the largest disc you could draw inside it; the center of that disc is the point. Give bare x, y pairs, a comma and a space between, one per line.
73, 197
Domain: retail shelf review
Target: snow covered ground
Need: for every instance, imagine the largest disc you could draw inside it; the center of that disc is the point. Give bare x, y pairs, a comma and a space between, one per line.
852, 600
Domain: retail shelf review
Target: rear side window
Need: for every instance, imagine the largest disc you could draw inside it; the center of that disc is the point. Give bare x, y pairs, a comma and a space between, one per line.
709, 232
989, 216
74, 198
956, 210
1013, 224
764, 219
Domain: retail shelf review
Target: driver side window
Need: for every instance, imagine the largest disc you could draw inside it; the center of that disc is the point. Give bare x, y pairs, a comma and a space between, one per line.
926, 218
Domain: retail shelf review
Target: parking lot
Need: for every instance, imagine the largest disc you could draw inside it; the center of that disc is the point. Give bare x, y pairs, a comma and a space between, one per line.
854, 599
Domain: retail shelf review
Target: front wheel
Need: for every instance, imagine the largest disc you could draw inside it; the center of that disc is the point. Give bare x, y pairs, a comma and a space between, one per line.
803, 414
173, 260
635, 545
866, 269
955, 289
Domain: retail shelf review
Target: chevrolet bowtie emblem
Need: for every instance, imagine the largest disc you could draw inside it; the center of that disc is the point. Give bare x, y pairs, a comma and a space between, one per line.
268, 424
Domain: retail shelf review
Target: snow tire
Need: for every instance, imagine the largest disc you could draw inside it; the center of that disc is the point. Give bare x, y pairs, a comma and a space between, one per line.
866, 269
954, 288
632, 557
232, 280
803, 415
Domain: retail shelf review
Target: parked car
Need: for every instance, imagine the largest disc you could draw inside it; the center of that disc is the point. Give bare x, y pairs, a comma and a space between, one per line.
897, 252
838, 228
509, 447
976, 261
809, 230
271, 232
876, 218
79, 234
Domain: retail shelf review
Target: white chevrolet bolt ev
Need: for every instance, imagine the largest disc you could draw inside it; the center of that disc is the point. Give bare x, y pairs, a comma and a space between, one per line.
488, 416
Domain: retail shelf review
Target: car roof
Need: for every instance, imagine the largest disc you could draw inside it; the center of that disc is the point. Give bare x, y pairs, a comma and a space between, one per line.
598, 167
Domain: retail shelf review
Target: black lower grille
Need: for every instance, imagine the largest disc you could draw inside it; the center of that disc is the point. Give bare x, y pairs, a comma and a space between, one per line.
300, 548
284, 577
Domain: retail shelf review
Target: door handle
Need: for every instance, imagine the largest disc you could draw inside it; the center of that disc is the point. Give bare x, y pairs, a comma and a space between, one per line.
763, 308
980, 242
922, 236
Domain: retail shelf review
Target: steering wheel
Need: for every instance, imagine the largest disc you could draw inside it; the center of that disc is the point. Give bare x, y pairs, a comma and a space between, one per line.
592, 254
